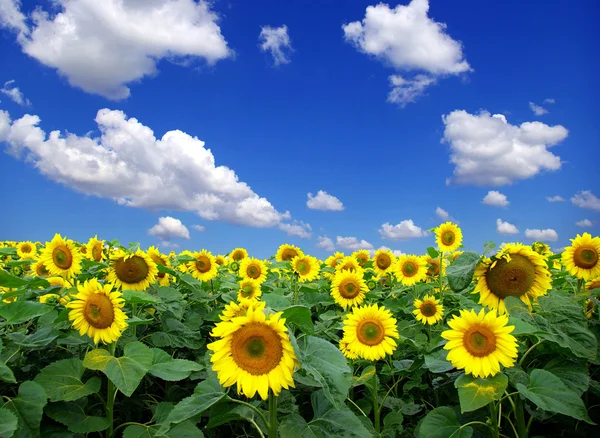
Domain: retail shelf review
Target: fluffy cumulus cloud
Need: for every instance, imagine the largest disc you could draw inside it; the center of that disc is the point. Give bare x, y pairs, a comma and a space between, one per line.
297, 228
547, 235
403, 230
276, 41
352, 243
538, 110
488, 151
584, 223
495, 199
556, 198
406, 38
14, 93
586, 199
200, 228
396, 252
444, 215
129, 164
169, 228
326, 243
101, 46
324, 201
505, 227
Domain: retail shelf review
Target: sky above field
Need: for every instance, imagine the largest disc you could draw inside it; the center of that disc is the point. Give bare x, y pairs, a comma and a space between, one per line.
326, 124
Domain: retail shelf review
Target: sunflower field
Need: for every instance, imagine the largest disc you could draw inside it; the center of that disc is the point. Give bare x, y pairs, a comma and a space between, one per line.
104, 340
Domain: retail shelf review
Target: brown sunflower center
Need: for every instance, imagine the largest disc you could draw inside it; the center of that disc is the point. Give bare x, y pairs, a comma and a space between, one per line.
97, 252
247, 291
203, 264
585, 257
303, 267
479, 341
288, 254
26, 248
253, 271
131, 271
256, 348
383, 261
159, 261
362, 260
448, 237
513, 278
220, 261
99, 311
428, 309
370, 332
83, 249
237, 256
62, 257
41, 270
409, 269
349, 289
434, 269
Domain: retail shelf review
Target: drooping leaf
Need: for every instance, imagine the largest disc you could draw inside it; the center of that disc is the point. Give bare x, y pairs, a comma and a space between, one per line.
39, 339
74, 417
299, 315
62, 381
475, 393
23, 311
167, 368
28, 406
442, 422
188, 408
574, 374
333, 423
460, 272
276, 302
8, 423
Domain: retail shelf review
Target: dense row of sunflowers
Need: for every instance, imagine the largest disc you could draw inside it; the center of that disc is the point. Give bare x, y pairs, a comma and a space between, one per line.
251, 345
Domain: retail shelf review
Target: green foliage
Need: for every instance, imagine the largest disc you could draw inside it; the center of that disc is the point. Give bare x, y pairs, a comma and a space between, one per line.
443, 423
474, 393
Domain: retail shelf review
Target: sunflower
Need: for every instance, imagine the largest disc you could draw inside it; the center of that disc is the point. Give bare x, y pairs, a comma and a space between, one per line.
26, 250
582, 258
590, 308
95, 249
285, 253
369, 331
254, 269
204, 268
448, 237
157, 257
249, 290
61, 257
479, 343
345, 351
255, 352
307, 267
348, 288
348, 263
516, 270
362, 256
383, 261
233, 309
429, 311
97, 312
220, 260
39, 269
593, 284
53, 297
134, 271
434, 266
238, 254
410, 269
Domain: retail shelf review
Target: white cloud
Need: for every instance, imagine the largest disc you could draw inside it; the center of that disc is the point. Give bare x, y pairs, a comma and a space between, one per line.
14, 93
556, 198
276, 41
128, 164
584, 223
547, 235
324, 201
495, 199
200, 228
297, 228
326, 243
558, 250
404, 230
405, 91
586, 199
101, 46
168, 228
167, 244
396, 252
505, 227
11, 16
537, 109
549, 100
352, 243
489, 151
444, 215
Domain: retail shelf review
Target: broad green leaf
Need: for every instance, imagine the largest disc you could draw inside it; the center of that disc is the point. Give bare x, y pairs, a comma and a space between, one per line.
28, 406
23, 311
460, 272
137, 297
74, 417
190, 407
299, 315
6, 373
437, 363
127, 371
333, 423
62, 381
10, 281
365, 377
443, 423
187, 429
280, 265
433, 253
548, 392
223, 413
475, 393
8, 423
488, 247
167, 368
573, 374
276, 302
135, 431
8, 251
392, 424
177, 335
39, 339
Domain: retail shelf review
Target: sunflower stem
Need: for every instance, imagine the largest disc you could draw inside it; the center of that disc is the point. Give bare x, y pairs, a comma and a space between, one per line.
441, 278
133, 314
272, 415
110, 398
494, 420
376, 411
579, 284
520, 417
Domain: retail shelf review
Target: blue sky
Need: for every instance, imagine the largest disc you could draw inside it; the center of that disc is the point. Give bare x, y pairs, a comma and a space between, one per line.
325, 118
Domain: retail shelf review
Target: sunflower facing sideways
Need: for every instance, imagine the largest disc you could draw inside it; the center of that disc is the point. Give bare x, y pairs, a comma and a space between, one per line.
254, 269
249, 290
307, 267
363, 256
410, 269
348, 263
582, 258
61, 257
429, 310
134, 271
448, 237
383, 261
238, 254
204, 267
254, 352
97, 312
39, 269
348, 288
157, 257
95, 249
285, 253
479, 343
516, 270
26, 250
370, 332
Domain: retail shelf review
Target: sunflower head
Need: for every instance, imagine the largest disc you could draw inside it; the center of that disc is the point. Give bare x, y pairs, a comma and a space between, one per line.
249, 290
39, 269
160, 259
348, 288
362, 256
433, 266
582, 258
455, 255
429, 310
383, 261
254, 269
95, 249
307, 267
345, 350
410, 269
285, 253
590, 308
221, 260
348, 263
234, 310
204, 267
541, 248
371, 284
371, 332
448, 237
133, 271
61, 257
238, 254
26, 250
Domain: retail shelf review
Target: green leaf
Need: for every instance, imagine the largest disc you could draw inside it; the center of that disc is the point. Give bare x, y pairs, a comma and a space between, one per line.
190, 407
28, 406
22, 311
460, 273
177, 335
276, 302
8, 423
475, 393
39, 339
365, 377
6, 373
488, 247
74, 417
443, 423
573, 374
127, 371
10, 281
433, 253
333, 423
167, 368
137, 297
300, 315
62, 381
437, 363
135, 431
549, 393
